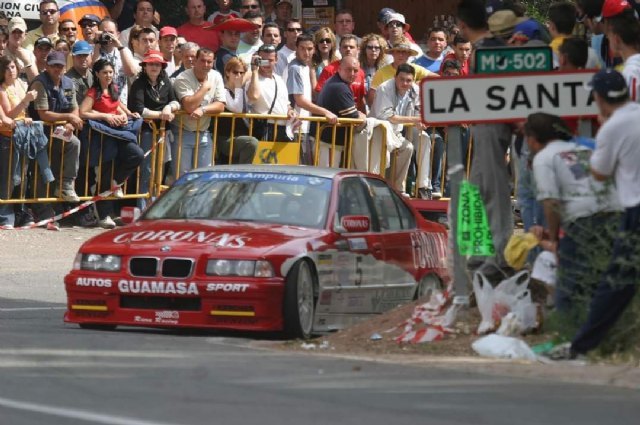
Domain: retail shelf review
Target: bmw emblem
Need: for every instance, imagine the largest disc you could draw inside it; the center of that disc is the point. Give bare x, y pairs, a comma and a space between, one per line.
165, 248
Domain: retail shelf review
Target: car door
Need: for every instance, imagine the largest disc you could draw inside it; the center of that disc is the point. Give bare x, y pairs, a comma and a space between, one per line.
398, 234
352, 267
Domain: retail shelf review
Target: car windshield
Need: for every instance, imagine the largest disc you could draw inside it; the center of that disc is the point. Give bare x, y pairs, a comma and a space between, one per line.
247, 196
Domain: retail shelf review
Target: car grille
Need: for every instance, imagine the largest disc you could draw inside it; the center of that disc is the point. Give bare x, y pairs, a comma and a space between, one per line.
170, 267
160, 303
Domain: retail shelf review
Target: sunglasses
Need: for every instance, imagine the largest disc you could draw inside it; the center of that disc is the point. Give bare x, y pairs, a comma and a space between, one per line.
395, 24
238, 72
373, 47
69, 29
324, 40
294, 29
251, 6
49, 12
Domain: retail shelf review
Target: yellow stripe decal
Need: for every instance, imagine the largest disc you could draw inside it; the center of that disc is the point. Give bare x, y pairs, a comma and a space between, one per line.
232, 313
89, 307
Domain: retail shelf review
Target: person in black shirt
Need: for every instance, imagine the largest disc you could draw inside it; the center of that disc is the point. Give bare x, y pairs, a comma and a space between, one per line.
152, 96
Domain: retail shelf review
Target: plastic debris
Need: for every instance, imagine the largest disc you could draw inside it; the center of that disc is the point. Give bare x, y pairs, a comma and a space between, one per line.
503, 347
376, 337
308, 346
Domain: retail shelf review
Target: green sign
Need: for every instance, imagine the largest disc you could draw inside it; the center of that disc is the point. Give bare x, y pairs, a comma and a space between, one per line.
498, 60
473, 231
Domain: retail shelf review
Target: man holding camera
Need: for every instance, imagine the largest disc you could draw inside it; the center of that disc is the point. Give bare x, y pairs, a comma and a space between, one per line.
267, 94
109, 47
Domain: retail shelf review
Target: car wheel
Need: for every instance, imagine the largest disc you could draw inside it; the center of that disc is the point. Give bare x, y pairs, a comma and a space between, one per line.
97, 327
299, 302
427, 286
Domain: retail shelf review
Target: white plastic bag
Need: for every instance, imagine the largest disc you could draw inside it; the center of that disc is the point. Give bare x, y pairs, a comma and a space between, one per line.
496, 303
503, 347
545, 268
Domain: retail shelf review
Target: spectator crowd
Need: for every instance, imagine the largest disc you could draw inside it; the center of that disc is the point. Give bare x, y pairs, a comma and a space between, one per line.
107, 82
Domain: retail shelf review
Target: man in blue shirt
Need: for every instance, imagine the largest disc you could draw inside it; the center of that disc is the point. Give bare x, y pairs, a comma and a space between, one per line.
432, 58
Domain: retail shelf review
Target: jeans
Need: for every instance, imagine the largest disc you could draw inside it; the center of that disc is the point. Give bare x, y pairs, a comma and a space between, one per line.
438, 152
583, 255
183, 154
617, 286
9, 178
531, 210
146, 141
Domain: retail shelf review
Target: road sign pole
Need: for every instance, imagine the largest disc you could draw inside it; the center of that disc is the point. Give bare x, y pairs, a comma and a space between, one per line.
455, 172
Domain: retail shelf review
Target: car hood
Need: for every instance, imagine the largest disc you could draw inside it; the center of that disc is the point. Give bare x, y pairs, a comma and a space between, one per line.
196, 237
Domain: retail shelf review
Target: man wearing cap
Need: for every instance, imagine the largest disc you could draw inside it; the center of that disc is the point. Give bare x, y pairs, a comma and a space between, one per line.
250, 40
80, 73
192, 30
25, 60
49, 16
401, 53
143, 17
56, 102
348, 47
89, 27
229, 31
41, 49
200, 91
617, 154
396, 28
284, 13
167, 45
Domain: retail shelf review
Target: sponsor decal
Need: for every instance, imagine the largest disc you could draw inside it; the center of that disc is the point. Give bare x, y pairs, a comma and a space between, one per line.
429, 250
356, 223
157, 287
167, 317
222, 240
325, 259
227, 287
140, 319
357, 243
93, 282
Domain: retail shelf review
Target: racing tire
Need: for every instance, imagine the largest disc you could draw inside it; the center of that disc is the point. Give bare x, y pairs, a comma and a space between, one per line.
299, 301
97, 327
427, 286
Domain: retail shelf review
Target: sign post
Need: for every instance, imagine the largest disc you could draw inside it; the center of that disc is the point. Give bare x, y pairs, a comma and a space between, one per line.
495, 98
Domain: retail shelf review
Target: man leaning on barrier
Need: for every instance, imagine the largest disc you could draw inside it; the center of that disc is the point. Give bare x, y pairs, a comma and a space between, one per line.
56, 102
200, 91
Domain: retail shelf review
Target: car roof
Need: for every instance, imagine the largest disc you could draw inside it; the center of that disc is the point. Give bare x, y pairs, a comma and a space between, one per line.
307, 170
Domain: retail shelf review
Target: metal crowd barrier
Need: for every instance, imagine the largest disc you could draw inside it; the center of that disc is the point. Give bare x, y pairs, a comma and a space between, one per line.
25, 191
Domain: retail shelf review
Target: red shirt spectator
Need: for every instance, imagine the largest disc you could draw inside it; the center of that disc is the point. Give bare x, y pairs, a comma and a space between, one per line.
357, 87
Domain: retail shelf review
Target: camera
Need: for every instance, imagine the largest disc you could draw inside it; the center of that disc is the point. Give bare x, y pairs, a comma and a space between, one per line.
260, 62
105, 38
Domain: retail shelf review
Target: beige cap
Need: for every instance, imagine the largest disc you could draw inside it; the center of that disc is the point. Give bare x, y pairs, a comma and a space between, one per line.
17, 23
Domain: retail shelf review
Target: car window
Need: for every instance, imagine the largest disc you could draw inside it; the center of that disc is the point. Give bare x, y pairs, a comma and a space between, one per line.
392, 212
352, 199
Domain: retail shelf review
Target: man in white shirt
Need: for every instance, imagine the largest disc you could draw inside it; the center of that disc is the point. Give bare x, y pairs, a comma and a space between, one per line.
288, 51
200, 91
398, 102
267, 94
143, 17
299, 87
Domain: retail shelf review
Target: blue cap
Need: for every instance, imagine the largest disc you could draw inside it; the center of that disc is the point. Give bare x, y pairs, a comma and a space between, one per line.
384, 14
610, 85
530, 28
81, 47
56, 58
91, 18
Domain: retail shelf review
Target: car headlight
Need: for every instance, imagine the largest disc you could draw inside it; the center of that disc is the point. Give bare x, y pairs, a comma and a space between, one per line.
98, 262
247, 268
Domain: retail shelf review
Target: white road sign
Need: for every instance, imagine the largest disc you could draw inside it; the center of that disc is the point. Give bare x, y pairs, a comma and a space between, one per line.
505, 98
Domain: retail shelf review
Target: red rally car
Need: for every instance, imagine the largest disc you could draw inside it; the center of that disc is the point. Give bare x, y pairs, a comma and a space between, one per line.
261, 248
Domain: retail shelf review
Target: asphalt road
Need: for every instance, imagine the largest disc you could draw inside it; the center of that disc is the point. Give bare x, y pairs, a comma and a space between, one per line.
52, 373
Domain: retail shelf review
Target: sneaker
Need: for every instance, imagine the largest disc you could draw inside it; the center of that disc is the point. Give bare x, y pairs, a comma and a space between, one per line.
436, 194
563, 352
87, 218
24, 218
107, 223
53, 225
68, 193
118, 193
424, 193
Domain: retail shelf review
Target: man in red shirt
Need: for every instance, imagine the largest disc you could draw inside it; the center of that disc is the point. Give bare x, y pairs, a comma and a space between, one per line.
348, 47
193, 29
461, 53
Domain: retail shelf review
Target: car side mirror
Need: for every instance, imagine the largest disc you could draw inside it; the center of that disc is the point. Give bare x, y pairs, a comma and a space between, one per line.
129, 214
